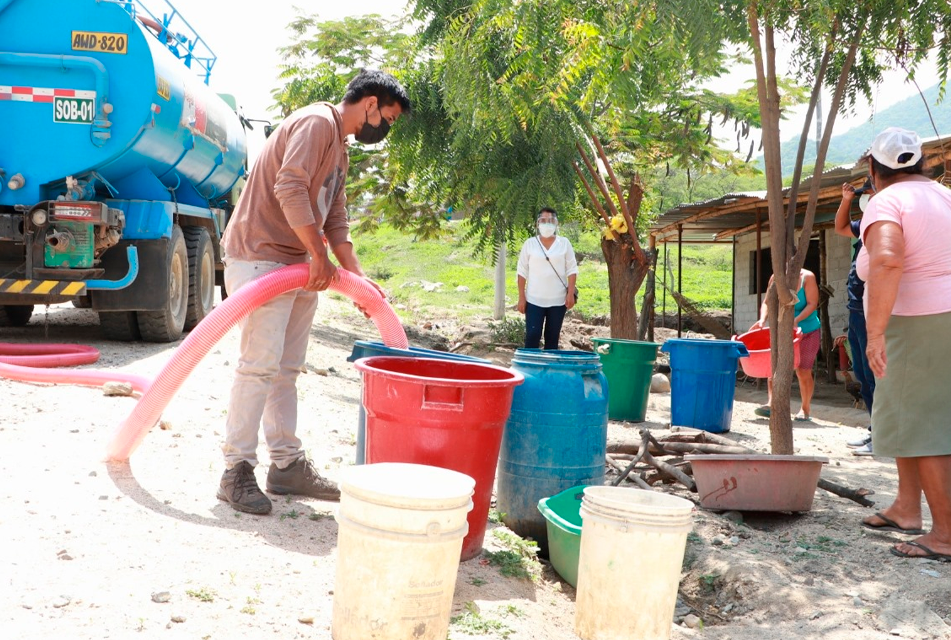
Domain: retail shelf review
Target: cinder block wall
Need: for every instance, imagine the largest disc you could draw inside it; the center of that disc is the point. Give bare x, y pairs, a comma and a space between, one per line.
745, 311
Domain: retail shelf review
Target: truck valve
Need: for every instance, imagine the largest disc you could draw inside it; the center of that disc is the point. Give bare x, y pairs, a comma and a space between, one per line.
59, 240
16, 181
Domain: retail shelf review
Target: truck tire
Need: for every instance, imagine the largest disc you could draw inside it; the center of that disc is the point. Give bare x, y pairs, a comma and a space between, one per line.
15, 315
166, 324
201, 275
122, 326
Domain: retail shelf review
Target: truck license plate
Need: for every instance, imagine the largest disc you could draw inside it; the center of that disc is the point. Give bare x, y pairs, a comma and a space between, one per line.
74, 110
100, 42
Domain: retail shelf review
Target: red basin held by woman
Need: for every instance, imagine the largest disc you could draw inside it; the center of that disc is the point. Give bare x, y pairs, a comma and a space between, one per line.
757, 343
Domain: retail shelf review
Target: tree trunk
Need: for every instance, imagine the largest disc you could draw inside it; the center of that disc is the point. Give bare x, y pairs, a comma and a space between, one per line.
780, 421
625, 276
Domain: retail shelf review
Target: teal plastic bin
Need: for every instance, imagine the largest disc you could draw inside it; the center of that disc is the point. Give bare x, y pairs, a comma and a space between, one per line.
563, 516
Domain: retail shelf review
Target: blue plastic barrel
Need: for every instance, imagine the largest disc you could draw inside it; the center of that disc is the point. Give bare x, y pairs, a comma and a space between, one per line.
370, 348
703, 381
555, 438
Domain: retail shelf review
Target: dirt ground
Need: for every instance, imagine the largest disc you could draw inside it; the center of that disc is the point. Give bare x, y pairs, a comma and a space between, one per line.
91, 550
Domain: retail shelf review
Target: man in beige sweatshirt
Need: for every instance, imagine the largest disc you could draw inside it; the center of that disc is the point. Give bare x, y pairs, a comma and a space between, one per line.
293, 202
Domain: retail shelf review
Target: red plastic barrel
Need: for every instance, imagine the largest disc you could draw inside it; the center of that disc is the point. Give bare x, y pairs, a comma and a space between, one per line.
440, 413
759, 365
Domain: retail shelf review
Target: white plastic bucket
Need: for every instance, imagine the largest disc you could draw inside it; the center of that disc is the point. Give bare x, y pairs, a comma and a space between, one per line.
400, 536
632, 550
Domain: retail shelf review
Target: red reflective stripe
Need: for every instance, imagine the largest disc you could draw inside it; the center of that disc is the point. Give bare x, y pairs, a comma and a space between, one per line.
22, 89
38, 98
64, 93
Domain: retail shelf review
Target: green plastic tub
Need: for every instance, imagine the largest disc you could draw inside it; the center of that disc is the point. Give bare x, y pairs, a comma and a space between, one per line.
628, 365
562, 513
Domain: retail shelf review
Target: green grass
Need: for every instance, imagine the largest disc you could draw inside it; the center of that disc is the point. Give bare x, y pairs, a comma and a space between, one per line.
518, 559
474, 624
400, 263
204, 594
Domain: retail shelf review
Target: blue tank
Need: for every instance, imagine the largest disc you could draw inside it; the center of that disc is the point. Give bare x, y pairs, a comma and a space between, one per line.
88, 91
556, 435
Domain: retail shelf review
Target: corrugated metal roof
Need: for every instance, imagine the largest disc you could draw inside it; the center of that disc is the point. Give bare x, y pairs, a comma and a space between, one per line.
719, 219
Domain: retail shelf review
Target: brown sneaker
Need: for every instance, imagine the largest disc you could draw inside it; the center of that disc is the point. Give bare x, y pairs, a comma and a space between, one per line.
240, 490
302, 479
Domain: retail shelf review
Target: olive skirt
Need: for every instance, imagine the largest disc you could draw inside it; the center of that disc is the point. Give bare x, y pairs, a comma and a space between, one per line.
911, 415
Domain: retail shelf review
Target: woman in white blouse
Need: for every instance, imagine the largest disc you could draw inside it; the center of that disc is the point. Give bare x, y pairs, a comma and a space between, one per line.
547, 270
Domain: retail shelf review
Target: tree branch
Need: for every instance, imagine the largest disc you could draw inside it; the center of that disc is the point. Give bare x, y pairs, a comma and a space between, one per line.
638, 252
594, 198
840, 87
597, 179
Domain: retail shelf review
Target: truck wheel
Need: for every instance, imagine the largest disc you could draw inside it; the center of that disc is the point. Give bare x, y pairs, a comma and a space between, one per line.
122, 326
201, 275
15, 315
166, 324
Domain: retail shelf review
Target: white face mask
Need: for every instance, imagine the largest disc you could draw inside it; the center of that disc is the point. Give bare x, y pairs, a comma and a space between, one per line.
547, 229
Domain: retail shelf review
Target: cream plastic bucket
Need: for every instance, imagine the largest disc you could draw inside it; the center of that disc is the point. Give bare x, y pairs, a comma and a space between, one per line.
400, 536
632, 550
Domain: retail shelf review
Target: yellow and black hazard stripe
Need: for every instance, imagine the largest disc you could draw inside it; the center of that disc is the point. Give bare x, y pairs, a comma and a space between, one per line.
43, 287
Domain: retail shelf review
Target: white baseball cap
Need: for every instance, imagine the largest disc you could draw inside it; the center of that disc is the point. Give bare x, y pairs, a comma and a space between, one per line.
893, 145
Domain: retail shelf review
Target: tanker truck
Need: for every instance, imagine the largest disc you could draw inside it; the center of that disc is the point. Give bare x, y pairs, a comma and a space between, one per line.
117, 165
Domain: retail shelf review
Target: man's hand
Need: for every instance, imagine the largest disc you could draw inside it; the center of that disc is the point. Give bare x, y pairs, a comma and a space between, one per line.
375, 286
322, 273
521, 304
570, 299
848, 191
757, 325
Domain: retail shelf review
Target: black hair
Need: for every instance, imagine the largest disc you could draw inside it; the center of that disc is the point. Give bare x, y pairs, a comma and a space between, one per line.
887, 173
386, 89
546, 210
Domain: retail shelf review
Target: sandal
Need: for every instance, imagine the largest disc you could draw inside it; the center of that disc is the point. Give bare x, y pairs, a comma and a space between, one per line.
762, 411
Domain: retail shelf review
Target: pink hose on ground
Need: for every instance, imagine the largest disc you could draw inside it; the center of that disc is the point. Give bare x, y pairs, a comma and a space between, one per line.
147, 412
29, 362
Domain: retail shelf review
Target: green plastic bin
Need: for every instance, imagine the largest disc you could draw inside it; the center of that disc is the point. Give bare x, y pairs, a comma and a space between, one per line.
563, 518
628, 365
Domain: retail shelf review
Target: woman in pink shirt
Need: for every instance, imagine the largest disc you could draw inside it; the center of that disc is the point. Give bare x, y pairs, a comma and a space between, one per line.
906, 263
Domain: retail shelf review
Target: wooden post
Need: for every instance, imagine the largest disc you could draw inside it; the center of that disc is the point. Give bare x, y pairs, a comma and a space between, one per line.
759, 262
645, 325
499, 311
824, 321
663, 308
680, 276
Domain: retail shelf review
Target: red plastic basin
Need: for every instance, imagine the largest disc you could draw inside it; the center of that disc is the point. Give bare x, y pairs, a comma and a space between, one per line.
440, 413
756, 482
758, 365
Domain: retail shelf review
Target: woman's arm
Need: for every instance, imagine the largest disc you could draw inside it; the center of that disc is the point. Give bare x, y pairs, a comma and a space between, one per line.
522, 270
759, 324
843, 219
885, 244
812, 297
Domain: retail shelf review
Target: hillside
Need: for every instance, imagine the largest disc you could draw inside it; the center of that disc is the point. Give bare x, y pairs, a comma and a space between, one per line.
846, 148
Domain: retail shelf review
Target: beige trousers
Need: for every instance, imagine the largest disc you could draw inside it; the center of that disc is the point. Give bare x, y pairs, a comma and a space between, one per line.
273, 350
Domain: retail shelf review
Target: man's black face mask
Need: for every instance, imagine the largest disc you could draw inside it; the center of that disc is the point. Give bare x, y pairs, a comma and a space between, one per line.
371, 135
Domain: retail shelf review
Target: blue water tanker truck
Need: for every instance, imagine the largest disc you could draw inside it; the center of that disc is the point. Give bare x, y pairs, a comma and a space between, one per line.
117, 165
